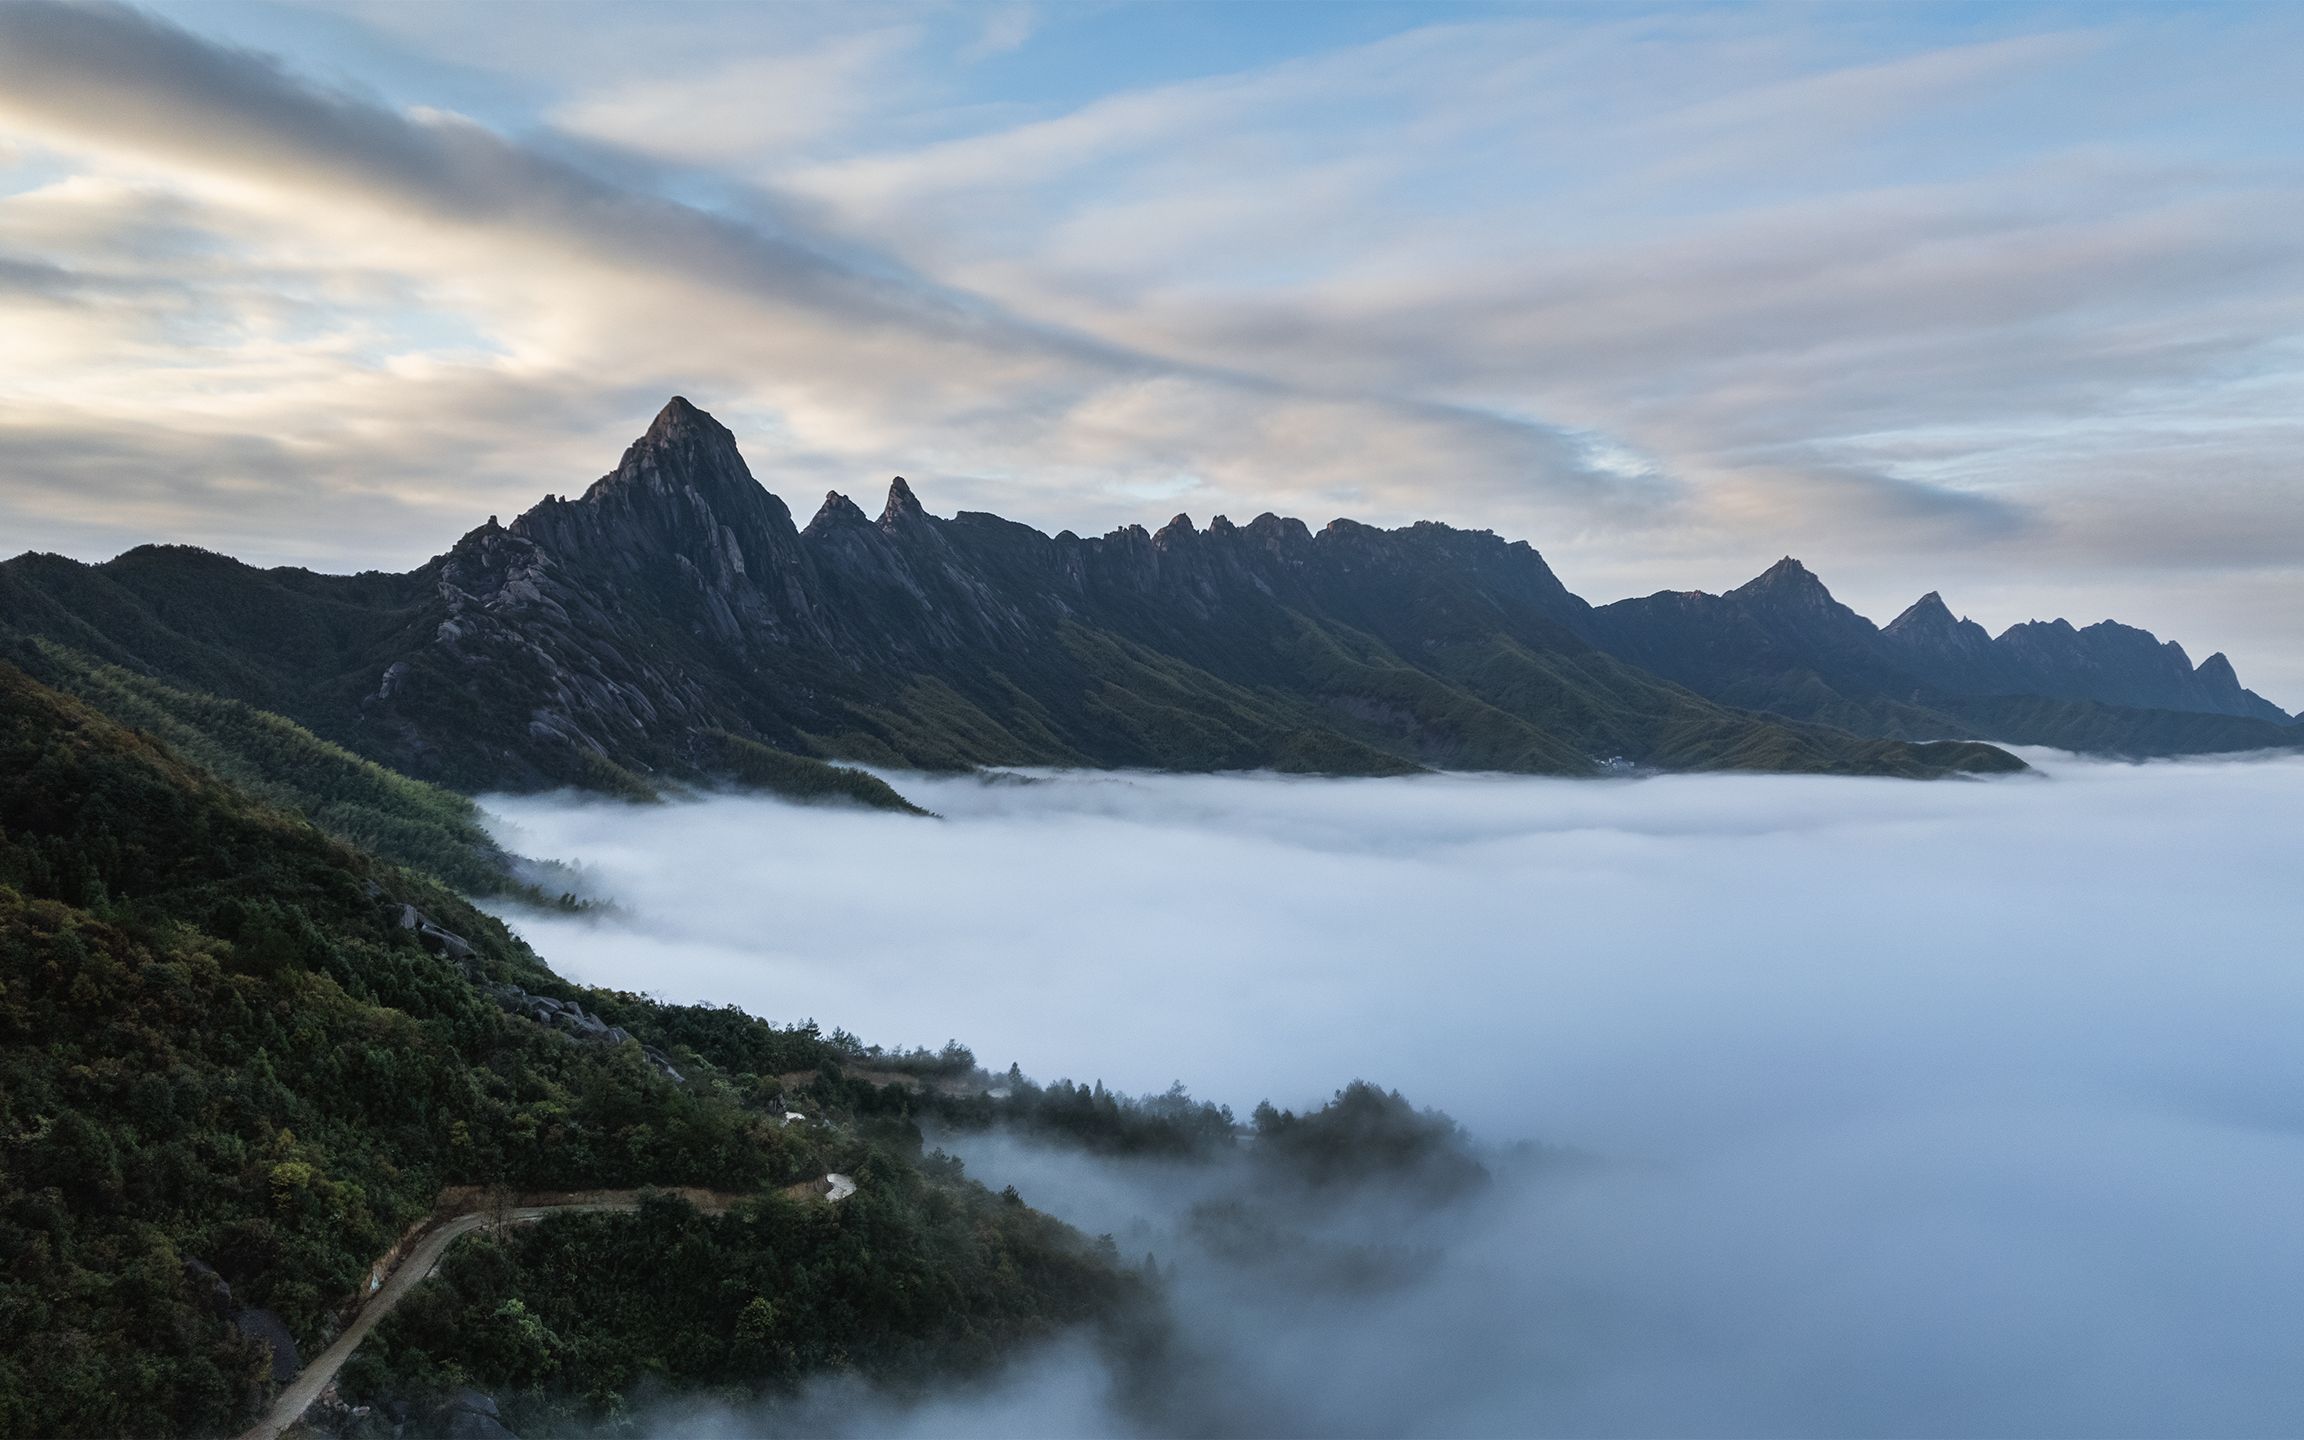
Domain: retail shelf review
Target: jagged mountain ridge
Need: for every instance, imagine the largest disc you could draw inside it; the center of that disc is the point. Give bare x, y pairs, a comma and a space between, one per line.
2109, 662
1782, 643
675, 609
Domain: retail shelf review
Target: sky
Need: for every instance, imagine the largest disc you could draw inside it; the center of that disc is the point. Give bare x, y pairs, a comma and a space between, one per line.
1961, 1108
2005, 301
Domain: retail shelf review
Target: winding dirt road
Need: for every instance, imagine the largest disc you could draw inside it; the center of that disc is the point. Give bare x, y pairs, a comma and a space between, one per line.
422, 1259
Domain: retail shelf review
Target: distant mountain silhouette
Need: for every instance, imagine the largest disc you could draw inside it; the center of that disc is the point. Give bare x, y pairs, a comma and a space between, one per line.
1781, 643
673, 621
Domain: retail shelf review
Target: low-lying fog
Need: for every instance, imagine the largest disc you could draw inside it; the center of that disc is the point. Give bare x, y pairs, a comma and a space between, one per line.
1940, 1108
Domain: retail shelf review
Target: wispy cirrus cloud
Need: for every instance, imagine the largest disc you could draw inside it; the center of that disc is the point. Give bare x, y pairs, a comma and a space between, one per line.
575, 286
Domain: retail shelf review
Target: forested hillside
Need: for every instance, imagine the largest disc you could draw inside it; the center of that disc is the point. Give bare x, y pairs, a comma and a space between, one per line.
238, 1057
273, 759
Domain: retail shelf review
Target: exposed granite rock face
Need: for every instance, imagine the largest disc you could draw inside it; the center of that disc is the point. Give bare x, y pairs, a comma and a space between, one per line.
470, 1415
461, 1414
435, 938
578, 1023
681, 526
546, 660
565, 1016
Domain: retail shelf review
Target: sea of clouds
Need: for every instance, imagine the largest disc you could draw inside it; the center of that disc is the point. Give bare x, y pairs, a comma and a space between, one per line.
1953, 1108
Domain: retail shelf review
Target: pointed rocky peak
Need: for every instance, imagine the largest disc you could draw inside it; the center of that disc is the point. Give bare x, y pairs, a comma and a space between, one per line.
836, 511
902, 505
1180, 528
1952, 652
1789, 599
1221, 525
684, 450
1928, 615
2036, 632
1278, 530
681, 519
478, 535
1786, 577
679, 417
2220, 683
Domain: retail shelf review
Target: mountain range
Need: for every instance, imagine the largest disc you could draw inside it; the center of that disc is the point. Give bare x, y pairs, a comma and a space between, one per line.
675, 623
1781, 644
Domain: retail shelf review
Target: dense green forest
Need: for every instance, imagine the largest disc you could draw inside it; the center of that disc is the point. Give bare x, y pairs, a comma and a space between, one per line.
1362, 1135
565, 1322
242, 1052
221, 1042
754, 766
919, 1276
1089, 1117
276, 760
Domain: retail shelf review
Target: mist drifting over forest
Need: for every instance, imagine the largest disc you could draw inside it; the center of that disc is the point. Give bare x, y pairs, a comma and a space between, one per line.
1950, 1108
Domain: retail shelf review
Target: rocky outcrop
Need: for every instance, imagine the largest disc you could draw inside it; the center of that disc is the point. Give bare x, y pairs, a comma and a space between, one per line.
271, 1333
461, 1414
578, 1023
1792, 604
208, 1289
563, 1016
470, 1415
1957, 654
681, 523
436, 938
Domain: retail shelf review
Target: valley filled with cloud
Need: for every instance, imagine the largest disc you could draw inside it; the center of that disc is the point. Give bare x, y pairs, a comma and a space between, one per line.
1859, 1107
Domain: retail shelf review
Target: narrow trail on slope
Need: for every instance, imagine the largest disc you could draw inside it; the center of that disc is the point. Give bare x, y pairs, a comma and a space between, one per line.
422, 1259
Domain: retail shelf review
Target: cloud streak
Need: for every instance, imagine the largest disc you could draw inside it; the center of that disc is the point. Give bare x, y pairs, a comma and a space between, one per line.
844, 352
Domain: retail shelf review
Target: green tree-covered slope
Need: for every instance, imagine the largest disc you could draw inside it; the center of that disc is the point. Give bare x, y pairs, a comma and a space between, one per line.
221, 1041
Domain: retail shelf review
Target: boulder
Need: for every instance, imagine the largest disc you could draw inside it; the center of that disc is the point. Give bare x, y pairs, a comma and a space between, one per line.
271, 1332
